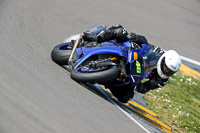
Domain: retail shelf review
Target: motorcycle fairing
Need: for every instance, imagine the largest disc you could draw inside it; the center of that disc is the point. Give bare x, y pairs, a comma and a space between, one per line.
90, 51
138, 75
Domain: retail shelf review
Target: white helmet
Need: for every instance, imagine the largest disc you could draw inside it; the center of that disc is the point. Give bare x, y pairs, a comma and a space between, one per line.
168, 64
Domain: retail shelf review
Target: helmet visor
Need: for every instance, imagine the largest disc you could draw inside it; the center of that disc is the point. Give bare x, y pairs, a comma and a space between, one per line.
165, 70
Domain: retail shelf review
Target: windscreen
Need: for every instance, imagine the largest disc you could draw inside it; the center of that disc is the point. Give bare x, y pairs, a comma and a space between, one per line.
146, 62
150, 60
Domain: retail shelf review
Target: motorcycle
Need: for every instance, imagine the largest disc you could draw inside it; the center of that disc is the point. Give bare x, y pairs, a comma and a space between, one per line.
117, 66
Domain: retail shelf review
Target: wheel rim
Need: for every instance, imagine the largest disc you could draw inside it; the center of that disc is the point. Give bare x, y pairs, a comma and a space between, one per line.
67, 46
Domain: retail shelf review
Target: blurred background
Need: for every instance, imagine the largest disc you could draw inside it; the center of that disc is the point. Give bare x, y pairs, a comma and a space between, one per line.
38, 96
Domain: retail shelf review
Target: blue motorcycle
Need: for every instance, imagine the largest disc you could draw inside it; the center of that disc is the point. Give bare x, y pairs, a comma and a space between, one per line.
114, 65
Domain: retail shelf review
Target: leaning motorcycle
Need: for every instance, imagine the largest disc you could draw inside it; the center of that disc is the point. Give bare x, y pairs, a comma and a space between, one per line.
117, 66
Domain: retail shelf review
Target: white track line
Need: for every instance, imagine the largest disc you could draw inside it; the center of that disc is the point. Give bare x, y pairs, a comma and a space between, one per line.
190, 61
74, 37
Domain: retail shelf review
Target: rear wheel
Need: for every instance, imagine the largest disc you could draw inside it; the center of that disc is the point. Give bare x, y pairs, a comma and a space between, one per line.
90, 74
60, 53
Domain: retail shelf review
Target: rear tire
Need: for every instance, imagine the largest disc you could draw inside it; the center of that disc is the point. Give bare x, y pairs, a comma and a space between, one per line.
87, 74
60, 53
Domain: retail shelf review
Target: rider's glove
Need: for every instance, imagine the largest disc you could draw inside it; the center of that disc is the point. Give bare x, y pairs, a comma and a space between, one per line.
156, 49
132, 37
141, 88
89, 36
139, 39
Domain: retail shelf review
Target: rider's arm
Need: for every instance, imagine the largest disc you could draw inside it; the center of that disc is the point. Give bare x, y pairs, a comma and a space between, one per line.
155, 81
151, 85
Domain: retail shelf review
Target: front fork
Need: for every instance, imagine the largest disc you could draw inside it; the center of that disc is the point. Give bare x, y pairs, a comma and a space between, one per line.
77, 42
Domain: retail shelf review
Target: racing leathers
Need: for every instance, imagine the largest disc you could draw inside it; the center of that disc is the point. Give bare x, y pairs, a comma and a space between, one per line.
120, 34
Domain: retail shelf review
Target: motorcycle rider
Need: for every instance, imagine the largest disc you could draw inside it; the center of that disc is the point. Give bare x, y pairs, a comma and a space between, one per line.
167, 65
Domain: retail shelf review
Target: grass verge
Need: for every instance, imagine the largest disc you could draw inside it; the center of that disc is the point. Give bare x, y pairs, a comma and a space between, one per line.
178, 103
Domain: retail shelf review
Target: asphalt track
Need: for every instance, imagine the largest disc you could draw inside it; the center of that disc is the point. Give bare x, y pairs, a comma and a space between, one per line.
36, 95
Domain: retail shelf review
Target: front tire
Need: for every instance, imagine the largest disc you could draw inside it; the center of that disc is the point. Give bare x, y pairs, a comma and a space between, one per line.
87, 74
60, 53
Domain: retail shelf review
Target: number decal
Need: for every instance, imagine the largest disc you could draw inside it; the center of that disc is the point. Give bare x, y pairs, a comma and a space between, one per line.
138, 67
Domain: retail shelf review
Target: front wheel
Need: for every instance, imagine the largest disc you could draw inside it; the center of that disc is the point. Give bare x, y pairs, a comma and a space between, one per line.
60, 53
88, 74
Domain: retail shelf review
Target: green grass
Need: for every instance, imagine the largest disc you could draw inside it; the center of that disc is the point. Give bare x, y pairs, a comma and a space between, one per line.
178, 103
